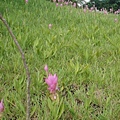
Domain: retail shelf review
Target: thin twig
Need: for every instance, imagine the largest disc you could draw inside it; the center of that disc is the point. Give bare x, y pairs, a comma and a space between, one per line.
25, 66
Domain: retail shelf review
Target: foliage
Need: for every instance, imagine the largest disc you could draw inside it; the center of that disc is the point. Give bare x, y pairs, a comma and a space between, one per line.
81, 47
115, 4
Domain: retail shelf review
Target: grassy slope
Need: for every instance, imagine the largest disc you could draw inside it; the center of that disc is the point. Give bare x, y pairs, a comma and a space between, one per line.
82, 48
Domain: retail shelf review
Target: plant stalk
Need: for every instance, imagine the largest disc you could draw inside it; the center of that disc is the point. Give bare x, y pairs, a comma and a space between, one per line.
25, 66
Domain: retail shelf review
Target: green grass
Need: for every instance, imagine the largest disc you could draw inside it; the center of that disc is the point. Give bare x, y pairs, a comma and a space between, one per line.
81, 48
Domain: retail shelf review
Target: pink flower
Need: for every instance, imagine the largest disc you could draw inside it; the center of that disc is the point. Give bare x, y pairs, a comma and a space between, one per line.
105, 12
1, 106
84, 10
86, 7
116, 12
52, 82
26, 1
91, 8
111, 10
54, 0
59, 0
66, 3
50, 26
74, 5
61, 4
70, 2
116, 20
57, 4
46, 68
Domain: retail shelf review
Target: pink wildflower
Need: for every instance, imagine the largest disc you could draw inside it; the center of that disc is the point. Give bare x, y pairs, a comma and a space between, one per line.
1, 106
91, 8
59, 0
54, 0
26, 1
101, 10
116, 12
84, 10
57, 4
71, 2
52, 82
74, 5
66, 3
111, 10
105, 12
86, 7
116, 20
50, 26
61, 4
46, 68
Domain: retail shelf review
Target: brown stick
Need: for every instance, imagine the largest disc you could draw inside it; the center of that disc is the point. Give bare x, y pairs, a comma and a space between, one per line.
25, 66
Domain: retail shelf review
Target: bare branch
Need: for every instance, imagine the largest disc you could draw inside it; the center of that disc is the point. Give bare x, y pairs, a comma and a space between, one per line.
25, 66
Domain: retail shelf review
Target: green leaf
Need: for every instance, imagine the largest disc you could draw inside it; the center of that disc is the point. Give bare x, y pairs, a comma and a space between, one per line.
50, 106
33, 110
35, 44
77, 68
62, 108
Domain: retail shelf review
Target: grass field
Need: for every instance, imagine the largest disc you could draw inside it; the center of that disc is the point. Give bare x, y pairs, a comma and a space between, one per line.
82, 48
